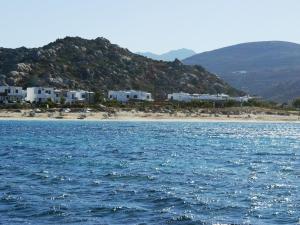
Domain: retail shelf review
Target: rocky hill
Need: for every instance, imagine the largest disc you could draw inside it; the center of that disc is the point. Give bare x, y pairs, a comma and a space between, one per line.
270, 69
169, 56
98, 65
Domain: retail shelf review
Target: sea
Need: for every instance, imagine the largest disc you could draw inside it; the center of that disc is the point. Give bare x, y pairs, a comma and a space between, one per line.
91, 172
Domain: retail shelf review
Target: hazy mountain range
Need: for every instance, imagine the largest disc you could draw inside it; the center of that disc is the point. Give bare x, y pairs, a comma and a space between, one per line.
169, 56
98, 65
270, 69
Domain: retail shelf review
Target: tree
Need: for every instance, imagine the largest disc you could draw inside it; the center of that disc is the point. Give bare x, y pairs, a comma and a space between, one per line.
98, 97
33, 81
296, 103
49, 103
62, 100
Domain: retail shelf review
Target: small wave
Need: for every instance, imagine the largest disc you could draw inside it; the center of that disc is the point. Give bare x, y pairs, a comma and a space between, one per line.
287, 169
171, 201
60, 211
183, 218
9, 198
62, 196
58, 179
114, 209
135, 177
40, 175
96, 182
280, 186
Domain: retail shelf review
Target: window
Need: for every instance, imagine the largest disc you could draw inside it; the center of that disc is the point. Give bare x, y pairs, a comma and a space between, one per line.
8, 91
39, 92
110, 96
83, 96
135, 96
57, 95
73, 96
40, 99
148, 96
17, 91
127, 96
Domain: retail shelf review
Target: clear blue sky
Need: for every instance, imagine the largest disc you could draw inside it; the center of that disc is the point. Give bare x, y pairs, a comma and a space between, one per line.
150, 25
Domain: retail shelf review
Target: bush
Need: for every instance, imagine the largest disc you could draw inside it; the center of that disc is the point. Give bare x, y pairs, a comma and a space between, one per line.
260, 103
296, 103
113, 103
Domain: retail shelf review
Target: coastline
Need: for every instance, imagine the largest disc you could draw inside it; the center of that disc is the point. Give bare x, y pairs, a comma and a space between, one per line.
148, 117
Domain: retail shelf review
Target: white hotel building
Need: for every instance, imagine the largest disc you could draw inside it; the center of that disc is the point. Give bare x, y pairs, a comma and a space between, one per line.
125, 96
11, 94
43, 94
186, 97
40, 94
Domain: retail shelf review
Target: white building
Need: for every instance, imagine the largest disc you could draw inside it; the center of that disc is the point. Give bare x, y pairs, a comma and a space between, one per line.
43, 94
78, 96
57, 96
69, 96
40, 94
181, 97
125, 96
186, 97
242, 98
84, 96
11, 94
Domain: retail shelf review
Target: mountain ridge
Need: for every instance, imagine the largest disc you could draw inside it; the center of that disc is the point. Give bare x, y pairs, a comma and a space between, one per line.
256, 67
98, 65
170, 55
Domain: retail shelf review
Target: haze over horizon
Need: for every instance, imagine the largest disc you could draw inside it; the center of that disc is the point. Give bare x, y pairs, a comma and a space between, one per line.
150, 26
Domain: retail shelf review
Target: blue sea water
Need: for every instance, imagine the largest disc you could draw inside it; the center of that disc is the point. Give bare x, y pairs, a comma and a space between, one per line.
84, 172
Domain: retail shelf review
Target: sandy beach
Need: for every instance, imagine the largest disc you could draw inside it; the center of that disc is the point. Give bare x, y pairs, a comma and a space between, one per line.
144, 116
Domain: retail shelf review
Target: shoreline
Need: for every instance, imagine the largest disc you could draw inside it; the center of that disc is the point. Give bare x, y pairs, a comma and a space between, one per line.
149, 117
150, 120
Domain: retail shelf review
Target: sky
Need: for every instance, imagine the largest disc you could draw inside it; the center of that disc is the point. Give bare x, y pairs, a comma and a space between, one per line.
150, 25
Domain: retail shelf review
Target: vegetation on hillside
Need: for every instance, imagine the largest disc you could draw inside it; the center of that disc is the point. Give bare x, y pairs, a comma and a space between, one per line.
98, 65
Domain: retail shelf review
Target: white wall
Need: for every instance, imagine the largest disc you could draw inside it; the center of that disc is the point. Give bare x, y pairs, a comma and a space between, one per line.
11, 93
185, 97
124, 96
40, 94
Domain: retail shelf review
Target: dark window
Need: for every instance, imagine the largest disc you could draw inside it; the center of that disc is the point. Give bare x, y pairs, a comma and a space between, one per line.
17, 91
83, 96
135, 96
8, 91
110, 96
40, 99
39, 92
127, 96
57, 95
73, 96
148, 97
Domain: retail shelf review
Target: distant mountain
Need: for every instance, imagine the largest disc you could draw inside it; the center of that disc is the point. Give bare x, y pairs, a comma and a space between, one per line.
169, 56
270, 69
98, 65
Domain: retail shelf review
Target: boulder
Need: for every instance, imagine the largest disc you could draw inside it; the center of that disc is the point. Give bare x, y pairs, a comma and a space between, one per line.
24, 67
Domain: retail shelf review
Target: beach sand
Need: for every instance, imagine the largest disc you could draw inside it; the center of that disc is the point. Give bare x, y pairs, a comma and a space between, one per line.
142, 116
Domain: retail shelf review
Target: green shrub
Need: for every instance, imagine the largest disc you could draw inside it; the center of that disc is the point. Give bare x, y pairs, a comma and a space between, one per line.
296, 103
